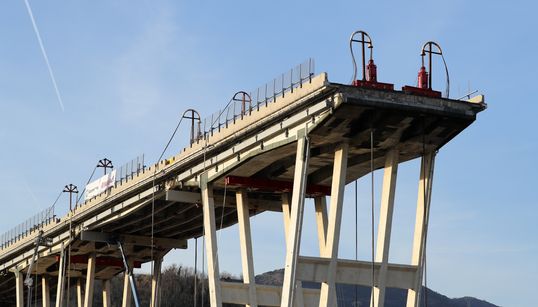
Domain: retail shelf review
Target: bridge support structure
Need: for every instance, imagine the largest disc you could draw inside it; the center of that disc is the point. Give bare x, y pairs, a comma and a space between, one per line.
127, 294
210, 231
45, 291
421, 226
308, 143
19, 288
106, 293
328, 269
156, 282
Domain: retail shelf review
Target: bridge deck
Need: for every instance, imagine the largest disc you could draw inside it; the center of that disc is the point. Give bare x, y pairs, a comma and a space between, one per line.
260, 145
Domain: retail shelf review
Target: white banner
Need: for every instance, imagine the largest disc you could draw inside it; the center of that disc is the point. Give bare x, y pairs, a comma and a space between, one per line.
100, 185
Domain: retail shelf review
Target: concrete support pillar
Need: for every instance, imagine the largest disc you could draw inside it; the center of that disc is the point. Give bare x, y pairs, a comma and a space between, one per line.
156, 282
385, 226
320, 204
421, 225
61, 279
296, 221
19, 288
45, 291
80, 299
90, 277
286, 214
211, 242
127, 294
106, 293
328, 288
247, 261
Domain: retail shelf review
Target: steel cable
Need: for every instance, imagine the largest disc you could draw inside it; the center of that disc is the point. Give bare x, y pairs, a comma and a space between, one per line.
372, 209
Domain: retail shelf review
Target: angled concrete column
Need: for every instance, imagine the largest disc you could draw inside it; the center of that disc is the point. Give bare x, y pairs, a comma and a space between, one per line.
299, 299
156, 282
45, 291
106, 293
320, 204
127, 294
19, 288
421, 225
385, 226
211, 242
247, 261
90, 277
79, 293
286, 212
328, 288
61, 279
296, 221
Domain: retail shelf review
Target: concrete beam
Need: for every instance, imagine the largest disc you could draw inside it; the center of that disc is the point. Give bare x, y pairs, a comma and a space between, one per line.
421, 225
106, 293
247, 261
19, 288
127, 294
61, 278
45, 291
156, 282
183, 197
211, 241
112, 238
238, 293
296, 221
385, 226
328, 286
320, 204
80, 298
90, 277
353, 272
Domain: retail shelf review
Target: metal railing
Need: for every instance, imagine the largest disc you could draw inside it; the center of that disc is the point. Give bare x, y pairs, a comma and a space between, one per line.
45, 217
236, 109
41, 219
130, 169
261, 96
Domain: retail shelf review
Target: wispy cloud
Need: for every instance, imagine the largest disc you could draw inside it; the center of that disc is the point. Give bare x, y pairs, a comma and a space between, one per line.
44, 52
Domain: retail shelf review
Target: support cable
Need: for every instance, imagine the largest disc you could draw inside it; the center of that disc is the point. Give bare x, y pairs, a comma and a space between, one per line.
223, 203
447, 91
425, 209
427, 199
356, 235
372, 208
153, 196
195, 272
51, 208
84, 190
222, 214
203, 271
69, 258
36, 276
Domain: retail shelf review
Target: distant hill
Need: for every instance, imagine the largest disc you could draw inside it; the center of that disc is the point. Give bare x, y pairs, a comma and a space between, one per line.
395, 297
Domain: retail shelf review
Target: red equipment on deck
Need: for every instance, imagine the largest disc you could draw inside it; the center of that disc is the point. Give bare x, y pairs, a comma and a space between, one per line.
369, 72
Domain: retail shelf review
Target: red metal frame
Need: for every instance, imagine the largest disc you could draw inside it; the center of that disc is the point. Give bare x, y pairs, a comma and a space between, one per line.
374, 85
421, 91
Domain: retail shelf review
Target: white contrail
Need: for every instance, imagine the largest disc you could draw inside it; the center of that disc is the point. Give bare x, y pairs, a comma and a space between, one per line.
44, 54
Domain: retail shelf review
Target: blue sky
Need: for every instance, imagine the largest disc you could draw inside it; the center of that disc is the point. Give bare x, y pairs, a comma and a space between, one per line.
127, 69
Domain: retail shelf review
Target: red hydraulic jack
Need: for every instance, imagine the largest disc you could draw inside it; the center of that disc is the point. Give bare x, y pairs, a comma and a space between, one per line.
424, 87
369, 72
